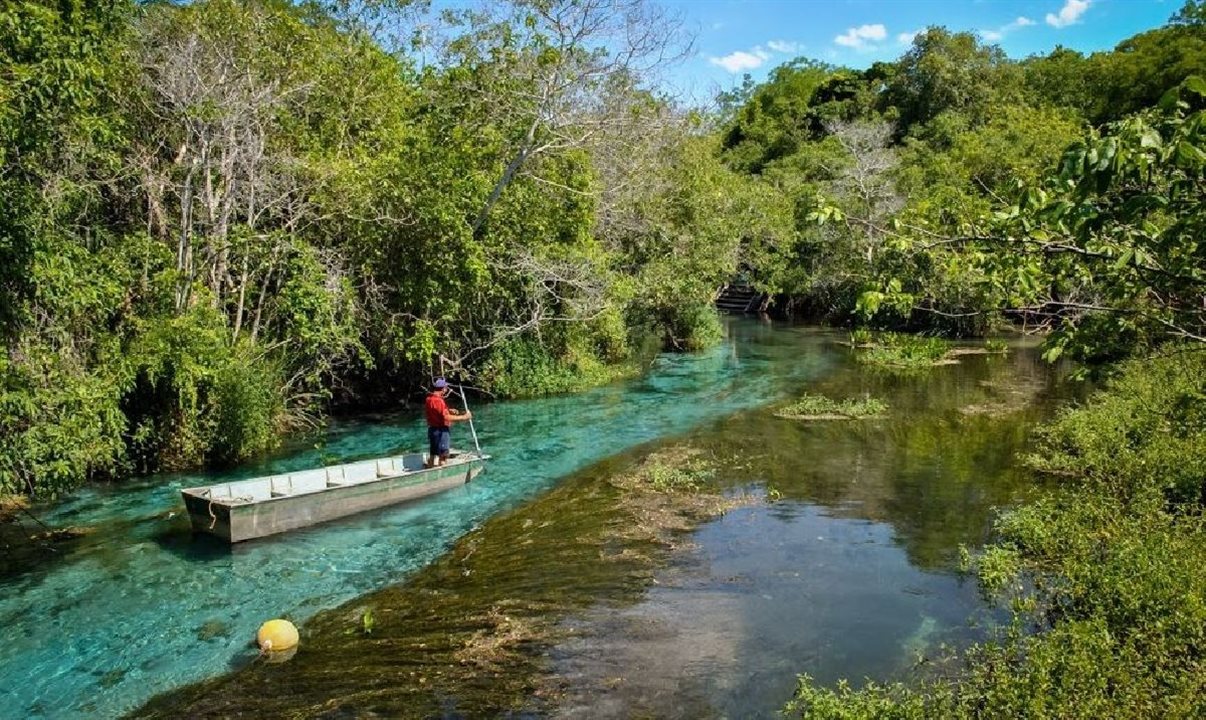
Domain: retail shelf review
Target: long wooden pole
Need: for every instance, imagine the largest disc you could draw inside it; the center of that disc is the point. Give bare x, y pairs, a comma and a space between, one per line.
465, 401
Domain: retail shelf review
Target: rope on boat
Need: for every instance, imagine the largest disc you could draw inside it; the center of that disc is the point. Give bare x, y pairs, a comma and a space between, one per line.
213, 517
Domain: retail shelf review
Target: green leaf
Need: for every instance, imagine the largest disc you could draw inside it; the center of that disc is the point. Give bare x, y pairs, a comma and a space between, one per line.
1195, 84
868, 303
1053, 353
1189, 156
1124, 259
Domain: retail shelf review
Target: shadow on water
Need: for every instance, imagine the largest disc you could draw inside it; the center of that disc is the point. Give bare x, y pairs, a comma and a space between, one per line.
543, 611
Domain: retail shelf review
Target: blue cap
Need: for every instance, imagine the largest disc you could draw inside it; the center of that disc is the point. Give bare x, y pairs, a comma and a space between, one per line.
439, 384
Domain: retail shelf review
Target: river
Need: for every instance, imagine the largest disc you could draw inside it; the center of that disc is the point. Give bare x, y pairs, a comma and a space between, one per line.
848, 572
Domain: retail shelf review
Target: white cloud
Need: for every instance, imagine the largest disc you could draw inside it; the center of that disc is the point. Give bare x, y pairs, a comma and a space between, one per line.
740, 60
907, 37
995, 35
858, 37
1069, 14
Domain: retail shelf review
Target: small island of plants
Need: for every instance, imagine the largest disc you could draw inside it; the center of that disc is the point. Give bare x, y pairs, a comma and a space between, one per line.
819, 407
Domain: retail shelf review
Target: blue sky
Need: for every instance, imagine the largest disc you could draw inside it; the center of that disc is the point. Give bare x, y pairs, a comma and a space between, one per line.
734, 37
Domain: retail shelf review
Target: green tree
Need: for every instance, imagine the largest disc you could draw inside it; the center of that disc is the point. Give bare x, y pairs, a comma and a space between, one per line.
1106, 251
950, 72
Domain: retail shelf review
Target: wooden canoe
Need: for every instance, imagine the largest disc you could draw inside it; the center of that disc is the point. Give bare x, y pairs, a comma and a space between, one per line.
247, 509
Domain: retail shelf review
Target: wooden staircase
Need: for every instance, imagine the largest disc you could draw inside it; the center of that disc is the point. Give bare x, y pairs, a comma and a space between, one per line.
736, 298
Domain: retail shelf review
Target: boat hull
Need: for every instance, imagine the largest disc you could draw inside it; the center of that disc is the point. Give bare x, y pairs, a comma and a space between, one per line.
235, 521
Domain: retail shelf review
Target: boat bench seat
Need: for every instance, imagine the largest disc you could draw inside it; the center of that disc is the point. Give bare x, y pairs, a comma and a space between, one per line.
280, 485
352, 474
243, 492
308, 481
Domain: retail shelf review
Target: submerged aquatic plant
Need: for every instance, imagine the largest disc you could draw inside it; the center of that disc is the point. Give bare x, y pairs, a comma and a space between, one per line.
819, 407
670, 479
366, 621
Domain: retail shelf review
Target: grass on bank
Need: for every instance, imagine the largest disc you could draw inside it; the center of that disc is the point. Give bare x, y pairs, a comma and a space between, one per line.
1106, 569
819, 407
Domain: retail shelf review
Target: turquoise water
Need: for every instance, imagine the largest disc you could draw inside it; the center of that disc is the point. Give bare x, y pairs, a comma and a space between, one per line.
140, 606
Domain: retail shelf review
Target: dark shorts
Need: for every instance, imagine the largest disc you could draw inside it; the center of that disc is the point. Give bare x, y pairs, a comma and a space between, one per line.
439, 440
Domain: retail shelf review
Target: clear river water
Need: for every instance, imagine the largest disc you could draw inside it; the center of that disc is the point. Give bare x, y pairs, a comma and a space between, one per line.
849, 573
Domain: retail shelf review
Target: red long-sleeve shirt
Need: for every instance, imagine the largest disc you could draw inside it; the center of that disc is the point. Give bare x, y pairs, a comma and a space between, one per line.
437, 412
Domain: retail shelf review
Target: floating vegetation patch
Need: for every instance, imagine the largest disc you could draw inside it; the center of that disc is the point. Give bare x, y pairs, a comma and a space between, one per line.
902, 351
862, 338
995, 346
819, 407
669, 493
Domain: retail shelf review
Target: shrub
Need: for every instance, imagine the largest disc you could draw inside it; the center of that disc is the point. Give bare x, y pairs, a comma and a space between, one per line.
524, 366
1144, 435
694, 327
58, 425
245, 410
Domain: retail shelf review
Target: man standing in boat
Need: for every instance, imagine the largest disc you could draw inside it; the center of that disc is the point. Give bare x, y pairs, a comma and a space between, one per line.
439, 423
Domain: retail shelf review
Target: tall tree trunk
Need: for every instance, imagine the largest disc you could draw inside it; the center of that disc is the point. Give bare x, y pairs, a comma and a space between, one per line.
184, 247
238, 322
525, 149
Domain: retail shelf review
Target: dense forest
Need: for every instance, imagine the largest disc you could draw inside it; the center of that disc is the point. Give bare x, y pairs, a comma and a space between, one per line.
225, 219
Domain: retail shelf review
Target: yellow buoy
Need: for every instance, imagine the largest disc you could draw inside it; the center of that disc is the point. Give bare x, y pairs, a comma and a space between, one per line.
277, 636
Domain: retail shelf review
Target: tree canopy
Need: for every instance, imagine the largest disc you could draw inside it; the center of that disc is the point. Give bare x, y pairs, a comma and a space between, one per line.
225, 218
